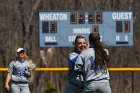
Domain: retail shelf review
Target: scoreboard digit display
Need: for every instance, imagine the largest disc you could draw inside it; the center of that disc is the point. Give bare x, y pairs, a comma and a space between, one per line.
59, 28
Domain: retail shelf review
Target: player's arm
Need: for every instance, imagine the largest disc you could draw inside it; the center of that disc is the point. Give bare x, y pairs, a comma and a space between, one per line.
79, 65
9, 75
8, 78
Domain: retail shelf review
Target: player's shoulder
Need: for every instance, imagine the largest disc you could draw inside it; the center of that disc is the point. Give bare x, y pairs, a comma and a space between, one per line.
13, 62
73, 53
87, 51
27, 61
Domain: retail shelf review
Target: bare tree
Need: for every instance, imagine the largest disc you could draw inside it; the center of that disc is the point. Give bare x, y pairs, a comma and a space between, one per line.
19, 28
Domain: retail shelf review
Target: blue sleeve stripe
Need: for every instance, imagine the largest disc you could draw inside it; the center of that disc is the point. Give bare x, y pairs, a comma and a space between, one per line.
74, 59
91, 60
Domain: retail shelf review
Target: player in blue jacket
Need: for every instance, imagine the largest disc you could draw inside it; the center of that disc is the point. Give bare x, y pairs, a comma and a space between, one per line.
75, 79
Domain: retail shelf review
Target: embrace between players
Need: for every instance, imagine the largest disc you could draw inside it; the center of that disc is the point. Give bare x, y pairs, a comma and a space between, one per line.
88, 65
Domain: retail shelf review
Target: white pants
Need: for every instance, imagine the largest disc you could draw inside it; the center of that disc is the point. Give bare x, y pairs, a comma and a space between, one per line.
19, 88
102, 86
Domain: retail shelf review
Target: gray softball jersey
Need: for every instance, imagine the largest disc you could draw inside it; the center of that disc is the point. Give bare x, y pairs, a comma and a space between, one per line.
85, 65
74, 76
17, 69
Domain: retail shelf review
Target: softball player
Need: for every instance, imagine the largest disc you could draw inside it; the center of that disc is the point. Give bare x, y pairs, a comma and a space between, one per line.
94, 63
16, 73
75, 79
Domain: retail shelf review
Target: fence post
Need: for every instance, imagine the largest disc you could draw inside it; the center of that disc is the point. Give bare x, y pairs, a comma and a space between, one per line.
3, 82
132, 81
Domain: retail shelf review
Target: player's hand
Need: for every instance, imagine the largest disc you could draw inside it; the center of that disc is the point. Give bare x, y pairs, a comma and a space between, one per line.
7, 88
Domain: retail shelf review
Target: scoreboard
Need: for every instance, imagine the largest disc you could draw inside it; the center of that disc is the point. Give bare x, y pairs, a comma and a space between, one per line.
59, 28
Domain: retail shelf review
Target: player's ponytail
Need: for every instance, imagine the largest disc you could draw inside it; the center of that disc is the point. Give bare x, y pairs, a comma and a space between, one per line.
101, 57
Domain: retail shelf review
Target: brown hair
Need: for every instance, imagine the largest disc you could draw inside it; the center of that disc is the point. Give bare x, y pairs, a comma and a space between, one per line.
101, 57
